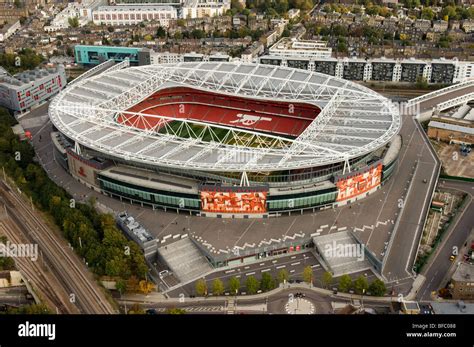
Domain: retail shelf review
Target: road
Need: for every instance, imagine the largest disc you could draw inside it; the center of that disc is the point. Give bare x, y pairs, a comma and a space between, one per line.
293, 263
428, 104
273, 302
439, 264
74, 277
418, 166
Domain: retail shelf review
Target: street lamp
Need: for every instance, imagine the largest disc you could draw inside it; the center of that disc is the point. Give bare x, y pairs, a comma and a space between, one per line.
362, 299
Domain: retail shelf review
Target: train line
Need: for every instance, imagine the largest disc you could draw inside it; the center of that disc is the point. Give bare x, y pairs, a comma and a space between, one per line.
63, 262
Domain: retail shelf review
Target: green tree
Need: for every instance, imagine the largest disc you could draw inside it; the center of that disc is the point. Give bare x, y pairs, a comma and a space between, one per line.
327, 279
283, 275
267, 282
361, 284
121, 285
234, 285
198, 34
345, 283
252, 285
217, 287
160, 32
427, 13
377, 288
308, 274
73, 22
201, 287
421, 83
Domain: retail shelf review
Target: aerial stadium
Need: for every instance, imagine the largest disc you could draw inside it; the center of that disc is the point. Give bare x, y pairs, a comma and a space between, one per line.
221, 139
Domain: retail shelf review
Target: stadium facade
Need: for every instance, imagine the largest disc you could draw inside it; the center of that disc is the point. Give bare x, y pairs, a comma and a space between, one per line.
223, 139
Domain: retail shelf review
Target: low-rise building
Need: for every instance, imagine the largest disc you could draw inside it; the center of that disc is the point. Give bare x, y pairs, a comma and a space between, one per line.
468, 25
25, 90
134, 14
8, 30
80, 10
440, 26
93, 55
288, 47
293, 13
252, 52
463, 282
422, 24
457, 127
204, 8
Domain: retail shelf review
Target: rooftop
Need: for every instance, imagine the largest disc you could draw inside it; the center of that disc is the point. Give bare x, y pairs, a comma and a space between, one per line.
459, 307
354, 120
464, 273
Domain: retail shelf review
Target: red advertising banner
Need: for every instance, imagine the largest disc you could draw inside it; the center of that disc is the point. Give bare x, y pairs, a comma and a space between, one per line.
359, 183
233, 202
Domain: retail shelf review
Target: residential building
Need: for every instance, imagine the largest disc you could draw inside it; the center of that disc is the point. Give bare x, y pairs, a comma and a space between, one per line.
30, 88
8, 30
463, 282
204, 8
288, 47
134, 14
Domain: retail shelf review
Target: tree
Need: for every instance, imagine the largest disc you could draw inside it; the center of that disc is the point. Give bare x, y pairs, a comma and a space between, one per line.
160, 32
121, 285
427, 13
327, 279
267, 283
377, 288
421, 82
345, 283
308, 274
234, 285
73, 22
146, 287
201, 287
252, 285
217, 287
283, 276
361, 284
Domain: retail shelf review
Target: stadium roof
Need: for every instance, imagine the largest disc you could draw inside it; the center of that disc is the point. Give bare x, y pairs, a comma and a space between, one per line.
354, 120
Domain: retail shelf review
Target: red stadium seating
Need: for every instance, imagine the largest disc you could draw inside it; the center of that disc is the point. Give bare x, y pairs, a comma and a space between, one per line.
263, 116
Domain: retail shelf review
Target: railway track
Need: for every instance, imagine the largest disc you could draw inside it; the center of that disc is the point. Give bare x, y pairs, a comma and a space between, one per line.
63, 262
36, 275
